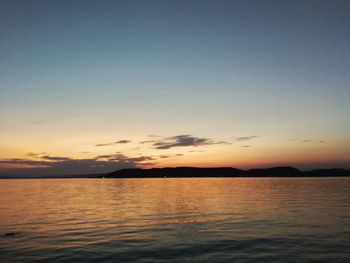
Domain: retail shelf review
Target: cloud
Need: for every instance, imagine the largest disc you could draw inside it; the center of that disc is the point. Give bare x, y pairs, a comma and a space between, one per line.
320, 141
148, 141
247, 138
57, 165
27, 162
103, 144
118, 157
164, 156
112, 143
31, 154
122, 142
309, 140
184, 140
245, 146
54, 158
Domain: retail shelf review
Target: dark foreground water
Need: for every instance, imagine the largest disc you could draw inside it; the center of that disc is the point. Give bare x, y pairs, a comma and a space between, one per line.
175, 220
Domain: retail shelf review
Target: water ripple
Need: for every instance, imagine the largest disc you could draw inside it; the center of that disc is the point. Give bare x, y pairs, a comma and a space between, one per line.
175, 220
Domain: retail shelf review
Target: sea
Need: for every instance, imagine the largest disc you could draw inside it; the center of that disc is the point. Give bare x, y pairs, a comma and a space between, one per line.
175, 220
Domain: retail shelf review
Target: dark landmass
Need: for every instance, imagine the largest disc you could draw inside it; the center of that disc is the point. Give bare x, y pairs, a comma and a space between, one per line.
183, 172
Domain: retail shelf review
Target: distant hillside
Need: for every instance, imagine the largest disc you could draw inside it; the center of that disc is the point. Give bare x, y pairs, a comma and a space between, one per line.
176, 172
183, 172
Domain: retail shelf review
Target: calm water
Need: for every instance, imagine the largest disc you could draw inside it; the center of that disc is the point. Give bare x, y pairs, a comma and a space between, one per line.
175, 220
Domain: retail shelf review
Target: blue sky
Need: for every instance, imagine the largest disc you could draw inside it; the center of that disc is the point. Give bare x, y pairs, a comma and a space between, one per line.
80, 72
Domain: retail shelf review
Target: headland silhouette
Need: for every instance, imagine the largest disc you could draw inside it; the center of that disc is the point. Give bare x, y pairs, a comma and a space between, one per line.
183, 172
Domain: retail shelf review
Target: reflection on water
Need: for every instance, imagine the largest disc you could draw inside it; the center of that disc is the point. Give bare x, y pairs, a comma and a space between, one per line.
175, 220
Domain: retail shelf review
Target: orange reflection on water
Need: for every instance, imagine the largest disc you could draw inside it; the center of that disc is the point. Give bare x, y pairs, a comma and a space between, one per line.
126, 215
64, 204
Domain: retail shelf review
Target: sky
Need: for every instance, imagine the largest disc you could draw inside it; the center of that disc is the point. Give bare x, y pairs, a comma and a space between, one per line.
96, 86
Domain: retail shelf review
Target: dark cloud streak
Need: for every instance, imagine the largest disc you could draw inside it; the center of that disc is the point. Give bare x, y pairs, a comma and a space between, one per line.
112, 143
122, 142
247, 138
103, 144
182, 141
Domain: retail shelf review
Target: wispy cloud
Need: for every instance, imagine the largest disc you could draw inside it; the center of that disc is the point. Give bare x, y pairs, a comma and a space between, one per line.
165, 156
308, 140
305, 141
55, 158
247, 138
112, 143
32, 154
118, 157
104, 144
147, 141
122, 142
314, 141
183, 140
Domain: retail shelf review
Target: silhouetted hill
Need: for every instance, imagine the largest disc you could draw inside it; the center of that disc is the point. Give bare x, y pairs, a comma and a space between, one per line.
176, 172
224, 172
328, 172
274, 171
183, 172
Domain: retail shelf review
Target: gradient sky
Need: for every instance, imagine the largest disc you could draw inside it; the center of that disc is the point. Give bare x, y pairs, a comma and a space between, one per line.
94, 86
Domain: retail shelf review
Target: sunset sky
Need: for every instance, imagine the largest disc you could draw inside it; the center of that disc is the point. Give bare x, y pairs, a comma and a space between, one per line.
95, 86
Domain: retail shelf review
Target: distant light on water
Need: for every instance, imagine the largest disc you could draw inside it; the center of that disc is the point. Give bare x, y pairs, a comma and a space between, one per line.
175, 220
